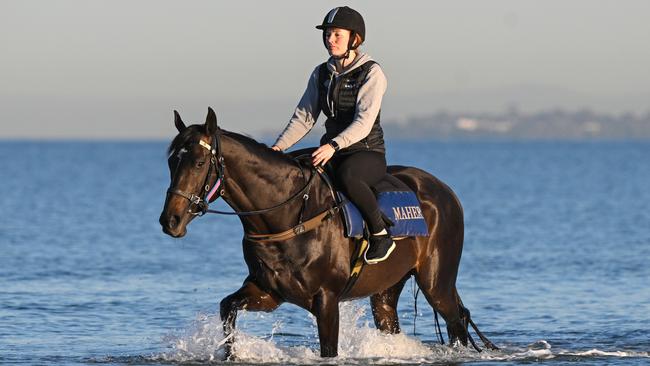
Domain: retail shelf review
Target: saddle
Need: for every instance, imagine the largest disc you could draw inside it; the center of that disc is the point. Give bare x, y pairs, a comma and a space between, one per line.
398, 203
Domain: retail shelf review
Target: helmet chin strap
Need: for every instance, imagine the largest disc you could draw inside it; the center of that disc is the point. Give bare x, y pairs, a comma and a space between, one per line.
343, 56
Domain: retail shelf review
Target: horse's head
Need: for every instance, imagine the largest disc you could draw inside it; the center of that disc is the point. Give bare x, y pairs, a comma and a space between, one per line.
194, 168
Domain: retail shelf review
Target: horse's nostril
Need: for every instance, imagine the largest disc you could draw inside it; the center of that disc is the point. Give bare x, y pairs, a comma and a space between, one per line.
173, 221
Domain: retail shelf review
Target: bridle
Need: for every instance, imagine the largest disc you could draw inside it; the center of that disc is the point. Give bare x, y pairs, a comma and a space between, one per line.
207, 195
201, 200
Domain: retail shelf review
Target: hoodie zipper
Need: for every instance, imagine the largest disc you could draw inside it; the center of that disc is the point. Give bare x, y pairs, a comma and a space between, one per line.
330, 97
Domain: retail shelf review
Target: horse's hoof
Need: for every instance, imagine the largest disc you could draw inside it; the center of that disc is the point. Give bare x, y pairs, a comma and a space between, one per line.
228, 355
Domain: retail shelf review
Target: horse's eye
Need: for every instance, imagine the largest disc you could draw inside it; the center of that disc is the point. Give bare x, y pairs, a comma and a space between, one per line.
199, 164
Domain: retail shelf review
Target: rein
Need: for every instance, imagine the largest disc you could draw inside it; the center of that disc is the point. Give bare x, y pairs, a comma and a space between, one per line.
304, 192
217, 162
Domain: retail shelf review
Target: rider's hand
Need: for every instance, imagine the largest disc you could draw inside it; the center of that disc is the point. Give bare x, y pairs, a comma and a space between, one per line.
322, 155
276, 148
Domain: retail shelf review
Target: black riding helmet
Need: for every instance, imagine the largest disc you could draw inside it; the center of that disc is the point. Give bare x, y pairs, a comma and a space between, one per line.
345, 18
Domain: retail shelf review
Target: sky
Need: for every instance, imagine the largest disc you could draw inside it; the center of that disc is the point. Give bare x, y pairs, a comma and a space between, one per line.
117, 69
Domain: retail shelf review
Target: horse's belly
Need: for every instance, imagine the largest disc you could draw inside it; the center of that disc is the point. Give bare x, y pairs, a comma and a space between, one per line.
379, 277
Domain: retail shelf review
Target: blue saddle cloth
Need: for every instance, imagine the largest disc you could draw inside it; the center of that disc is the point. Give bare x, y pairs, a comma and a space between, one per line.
397, 202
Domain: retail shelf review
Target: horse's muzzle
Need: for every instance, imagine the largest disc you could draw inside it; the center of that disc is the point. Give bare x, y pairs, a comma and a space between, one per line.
171, 225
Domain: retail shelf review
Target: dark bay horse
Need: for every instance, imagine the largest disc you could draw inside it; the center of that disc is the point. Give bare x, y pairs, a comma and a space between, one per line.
311, 269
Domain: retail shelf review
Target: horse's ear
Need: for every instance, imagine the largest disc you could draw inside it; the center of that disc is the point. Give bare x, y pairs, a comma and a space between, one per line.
211, 122
180, 126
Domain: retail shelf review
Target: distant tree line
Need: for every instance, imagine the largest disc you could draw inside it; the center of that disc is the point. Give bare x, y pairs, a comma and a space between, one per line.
511, 124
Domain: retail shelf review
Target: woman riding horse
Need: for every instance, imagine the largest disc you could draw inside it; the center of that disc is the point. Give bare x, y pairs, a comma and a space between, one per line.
348, 88
311, 267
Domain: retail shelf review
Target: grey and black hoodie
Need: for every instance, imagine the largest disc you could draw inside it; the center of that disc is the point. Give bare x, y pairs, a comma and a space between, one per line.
367, 108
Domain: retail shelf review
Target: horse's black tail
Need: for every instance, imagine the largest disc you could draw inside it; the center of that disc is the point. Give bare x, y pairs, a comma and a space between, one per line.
435, 316
466, 319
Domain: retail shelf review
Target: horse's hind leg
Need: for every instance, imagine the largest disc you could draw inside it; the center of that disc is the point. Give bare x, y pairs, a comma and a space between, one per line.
384, 307
441, 295
467, 321
249, 297
450, 310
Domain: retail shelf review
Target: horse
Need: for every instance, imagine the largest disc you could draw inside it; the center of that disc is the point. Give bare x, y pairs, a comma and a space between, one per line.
271, 193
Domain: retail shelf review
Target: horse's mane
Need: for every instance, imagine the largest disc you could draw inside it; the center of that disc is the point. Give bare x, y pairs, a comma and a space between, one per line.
192, 133
256, 146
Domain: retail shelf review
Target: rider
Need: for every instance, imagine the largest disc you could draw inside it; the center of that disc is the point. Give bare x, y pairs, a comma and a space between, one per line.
348, 89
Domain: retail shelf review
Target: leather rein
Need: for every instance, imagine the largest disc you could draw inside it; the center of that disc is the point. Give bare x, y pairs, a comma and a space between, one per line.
211, 192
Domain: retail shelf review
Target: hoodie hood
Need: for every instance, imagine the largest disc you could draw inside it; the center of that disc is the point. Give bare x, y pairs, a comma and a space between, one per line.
360, 59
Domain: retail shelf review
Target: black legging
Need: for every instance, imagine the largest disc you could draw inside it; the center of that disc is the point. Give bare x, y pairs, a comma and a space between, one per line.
356, 173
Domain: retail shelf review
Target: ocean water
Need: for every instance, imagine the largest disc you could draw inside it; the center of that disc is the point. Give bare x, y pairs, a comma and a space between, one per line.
554, 270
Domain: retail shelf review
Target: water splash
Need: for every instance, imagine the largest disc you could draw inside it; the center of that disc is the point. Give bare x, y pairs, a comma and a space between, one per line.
359, 339
359, 343
599, 353
203, 340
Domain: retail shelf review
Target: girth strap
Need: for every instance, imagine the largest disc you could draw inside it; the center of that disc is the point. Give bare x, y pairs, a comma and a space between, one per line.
356, 265
302, 228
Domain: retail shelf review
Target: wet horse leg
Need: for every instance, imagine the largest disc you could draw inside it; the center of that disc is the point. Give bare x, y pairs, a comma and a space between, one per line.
325, 308
451, 311
441, 295
384, 307
249, 297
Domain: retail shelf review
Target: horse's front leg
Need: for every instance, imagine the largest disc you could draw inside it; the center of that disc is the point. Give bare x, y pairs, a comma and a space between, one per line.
326, 310
249, 297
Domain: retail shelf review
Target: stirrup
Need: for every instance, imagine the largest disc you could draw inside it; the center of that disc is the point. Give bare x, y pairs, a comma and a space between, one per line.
381, 259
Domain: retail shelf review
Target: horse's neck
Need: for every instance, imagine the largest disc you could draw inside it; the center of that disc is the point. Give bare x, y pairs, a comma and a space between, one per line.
255, 180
